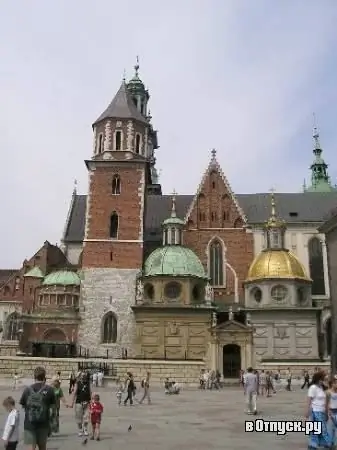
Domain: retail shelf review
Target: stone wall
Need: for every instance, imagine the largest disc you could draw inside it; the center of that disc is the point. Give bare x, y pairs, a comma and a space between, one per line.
296, 368
186, 372
102, 291
9, 348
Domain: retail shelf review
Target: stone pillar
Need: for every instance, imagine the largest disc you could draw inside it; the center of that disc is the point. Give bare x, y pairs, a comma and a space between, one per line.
244, 355
325, 268
214, 354
292, 340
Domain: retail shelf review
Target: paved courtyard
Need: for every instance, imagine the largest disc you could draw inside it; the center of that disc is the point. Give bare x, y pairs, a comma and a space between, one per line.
192, 420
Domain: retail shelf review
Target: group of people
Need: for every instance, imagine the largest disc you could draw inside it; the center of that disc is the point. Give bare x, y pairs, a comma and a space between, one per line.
210, 379
322, 407
41, 403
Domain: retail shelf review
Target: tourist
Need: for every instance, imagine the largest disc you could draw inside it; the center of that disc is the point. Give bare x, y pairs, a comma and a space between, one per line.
263, 383
251, 386
201, 379
317, 411
72, 381
130, 388
146, 387
82, 398
100, 378
289, 378
55, 409
306, 380
95, 379
37, 401
119, 392
15, 381
332, 409
10, 437
96, 411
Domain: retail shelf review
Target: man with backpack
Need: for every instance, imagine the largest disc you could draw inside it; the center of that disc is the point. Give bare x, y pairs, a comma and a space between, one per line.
82, 399
37, 400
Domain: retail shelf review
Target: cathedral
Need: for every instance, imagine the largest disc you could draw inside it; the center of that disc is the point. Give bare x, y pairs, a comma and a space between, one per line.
230, 279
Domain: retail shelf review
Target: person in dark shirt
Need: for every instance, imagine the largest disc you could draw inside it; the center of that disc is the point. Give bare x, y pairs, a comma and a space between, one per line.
37, 400
82, 398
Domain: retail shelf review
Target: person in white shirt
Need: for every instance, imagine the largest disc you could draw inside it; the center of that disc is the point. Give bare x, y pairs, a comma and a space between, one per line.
317, 410
251, 387
10, 435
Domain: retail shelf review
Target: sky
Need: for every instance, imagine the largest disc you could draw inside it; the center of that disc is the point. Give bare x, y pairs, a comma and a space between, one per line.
240, 76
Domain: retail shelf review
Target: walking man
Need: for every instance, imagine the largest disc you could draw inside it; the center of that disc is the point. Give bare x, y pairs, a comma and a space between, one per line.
146, 387
81, 399
251, 387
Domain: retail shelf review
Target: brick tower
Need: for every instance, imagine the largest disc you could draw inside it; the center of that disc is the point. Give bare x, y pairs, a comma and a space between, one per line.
121, 173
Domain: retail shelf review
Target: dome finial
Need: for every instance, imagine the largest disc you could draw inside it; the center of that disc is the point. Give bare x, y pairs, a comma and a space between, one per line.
124, 76
173, 210
273, 205
213, 153
136, 66
75, 187
315, 133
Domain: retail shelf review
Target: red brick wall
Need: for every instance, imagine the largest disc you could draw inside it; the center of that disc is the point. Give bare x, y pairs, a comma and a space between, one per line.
215, 214
128, 205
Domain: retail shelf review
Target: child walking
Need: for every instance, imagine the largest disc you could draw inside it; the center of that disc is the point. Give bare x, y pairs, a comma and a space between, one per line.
96, 411
120, 390
10, 435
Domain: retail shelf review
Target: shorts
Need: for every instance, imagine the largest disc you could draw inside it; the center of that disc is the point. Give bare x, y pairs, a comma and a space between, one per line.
81, 412
37, 437
11, 445
95, 419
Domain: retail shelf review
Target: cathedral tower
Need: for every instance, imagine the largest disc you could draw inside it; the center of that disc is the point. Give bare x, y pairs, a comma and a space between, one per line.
121, 173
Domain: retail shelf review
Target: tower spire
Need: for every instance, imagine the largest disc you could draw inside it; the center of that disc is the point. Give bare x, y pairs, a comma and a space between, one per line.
320, 180
136, 66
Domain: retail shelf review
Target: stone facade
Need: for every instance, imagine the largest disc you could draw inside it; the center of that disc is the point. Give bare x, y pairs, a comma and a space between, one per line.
285, 335
105, 290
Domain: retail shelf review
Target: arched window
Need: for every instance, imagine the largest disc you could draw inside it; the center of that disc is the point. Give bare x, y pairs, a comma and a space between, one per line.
118, 140
316, 266
100, 143
216, 263
116, 185
137, 146
11, 327
109, 329
114, 225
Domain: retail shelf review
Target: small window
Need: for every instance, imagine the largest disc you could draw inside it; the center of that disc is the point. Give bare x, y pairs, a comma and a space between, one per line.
293, 214
114, 225
173, 236
225, 215
137, 146
135, 101
116, 185
213, 184
202, 217
100, 143
214, 216
118, 140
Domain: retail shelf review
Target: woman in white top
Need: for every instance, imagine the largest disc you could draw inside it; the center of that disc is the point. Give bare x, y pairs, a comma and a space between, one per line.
317, 411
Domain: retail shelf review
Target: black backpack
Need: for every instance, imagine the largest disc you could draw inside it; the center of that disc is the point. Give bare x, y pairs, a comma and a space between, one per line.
37, 409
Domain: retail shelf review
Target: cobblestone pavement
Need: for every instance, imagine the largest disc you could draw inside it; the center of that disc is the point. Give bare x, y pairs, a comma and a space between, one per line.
193, 420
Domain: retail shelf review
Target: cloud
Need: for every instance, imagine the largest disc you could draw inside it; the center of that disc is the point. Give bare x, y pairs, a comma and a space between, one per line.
243, 77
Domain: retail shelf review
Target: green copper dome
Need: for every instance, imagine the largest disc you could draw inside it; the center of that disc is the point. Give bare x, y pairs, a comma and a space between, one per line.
62, 277
35, 272
173, 221
174, 260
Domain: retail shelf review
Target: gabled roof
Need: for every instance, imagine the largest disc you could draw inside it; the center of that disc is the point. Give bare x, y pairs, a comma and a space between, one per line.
297, 208
215, 166
5, 274
232, 325
122, 107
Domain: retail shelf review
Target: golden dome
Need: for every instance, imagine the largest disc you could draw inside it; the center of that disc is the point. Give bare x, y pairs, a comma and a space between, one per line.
276, 264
